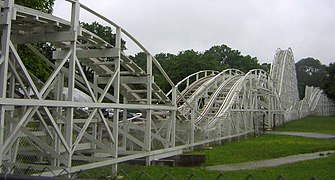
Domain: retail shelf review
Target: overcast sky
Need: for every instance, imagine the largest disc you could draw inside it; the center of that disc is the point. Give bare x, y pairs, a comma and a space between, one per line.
255, 27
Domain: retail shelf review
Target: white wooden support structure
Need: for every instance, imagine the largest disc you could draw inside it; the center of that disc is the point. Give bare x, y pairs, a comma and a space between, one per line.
44, 121
4, 61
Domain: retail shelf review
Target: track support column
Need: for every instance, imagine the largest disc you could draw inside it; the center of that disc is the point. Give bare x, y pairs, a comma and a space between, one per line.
71, 79
192, 139
147, 139
4, 59
174, 114
116, 85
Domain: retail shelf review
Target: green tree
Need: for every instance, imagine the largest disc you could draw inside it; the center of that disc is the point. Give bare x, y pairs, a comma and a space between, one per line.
309, 73
229, 58
165, 59
41, 5
189, 61
266, 67
33, 63
185, 63
218, 54
328, 81
104, 32
140, 59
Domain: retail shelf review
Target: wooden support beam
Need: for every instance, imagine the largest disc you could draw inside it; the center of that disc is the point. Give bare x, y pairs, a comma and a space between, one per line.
88, 53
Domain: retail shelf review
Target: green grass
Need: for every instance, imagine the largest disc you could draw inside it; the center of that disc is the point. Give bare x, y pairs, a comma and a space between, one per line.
322, 168
253, 149
264, 147
317, 124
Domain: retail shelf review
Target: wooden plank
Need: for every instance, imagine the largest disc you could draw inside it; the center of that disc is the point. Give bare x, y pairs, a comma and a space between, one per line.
88, 53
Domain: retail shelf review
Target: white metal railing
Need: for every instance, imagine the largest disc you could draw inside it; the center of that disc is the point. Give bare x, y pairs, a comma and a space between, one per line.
206, 86
188, 80
231, 96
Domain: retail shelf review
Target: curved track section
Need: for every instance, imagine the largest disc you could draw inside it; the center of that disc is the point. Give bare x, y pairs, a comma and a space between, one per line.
242, 96
315, 102
284, 76
232, 104
74, 120
201, 92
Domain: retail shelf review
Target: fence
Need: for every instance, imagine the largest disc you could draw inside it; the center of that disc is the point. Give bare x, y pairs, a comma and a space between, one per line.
167, 176
31, 173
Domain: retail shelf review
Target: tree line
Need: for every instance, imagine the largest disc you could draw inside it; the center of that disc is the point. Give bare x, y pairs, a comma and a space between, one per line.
310, 71
178, 66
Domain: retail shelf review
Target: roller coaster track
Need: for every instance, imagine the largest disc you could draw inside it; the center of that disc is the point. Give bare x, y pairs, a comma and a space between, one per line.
45, 126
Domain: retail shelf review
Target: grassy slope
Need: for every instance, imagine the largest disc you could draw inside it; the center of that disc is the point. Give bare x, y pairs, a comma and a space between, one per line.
264, 147
319, 124
256, 148
322, 168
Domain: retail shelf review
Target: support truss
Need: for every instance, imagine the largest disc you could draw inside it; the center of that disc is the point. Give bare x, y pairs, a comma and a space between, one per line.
61, 122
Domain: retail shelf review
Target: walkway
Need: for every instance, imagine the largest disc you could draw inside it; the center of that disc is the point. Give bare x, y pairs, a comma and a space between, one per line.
303, 134
271, 162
